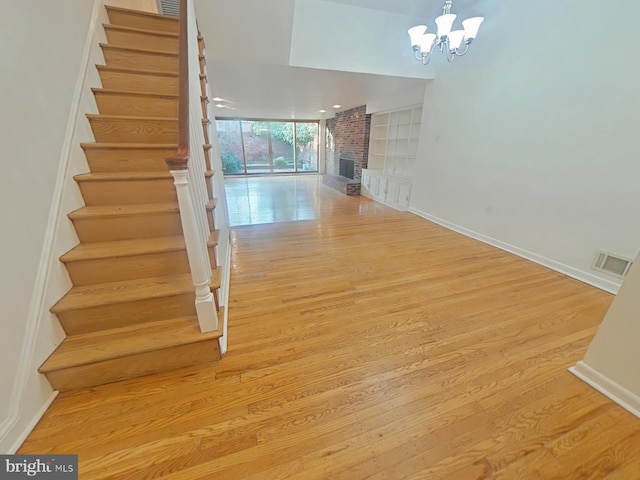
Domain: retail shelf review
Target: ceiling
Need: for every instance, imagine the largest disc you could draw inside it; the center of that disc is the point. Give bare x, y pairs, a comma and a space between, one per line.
287, 59
256, 90
427, 9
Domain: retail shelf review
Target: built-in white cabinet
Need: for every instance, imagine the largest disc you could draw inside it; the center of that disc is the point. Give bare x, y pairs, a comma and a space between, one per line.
393, 147
392, 191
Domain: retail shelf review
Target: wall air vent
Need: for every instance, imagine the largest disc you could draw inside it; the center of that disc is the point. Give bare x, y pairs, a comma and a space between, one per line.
612, 264
169, 7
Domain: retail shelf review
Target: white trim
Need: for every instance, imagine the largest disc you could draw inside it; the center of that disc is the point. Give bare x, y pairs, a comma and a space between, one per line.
224, 300
31, 425
616, 392
37, 307
586, 277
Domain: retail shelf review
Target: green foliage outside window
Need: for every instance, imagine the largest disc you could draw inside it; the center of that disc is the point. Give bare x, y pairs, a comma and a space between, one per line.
231, 163
283, 131
248, 139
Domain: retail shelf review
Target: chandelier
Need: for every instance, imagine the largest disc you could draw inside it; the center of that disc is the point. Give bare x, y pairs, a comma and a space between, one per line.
446, 40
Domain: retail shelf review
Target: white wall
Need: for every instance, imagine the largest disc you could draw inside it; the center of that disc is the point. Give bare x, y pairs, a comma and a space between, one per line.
612, 362
40, 88
335, 36
531, 139
401, 98
248, 30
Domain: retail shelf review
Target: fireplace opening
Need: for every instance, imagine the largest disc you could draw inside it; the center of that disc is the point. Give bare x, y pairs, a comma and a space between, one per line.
346, 168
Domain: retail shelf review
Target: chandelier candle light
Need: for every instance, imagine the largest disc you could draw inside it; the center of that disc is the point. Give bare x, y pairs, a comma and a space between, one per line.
446, 40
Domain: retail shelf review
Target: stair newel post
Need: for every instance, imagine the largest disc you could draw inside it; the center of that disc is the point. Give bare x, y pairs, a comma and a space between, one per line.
198, 264
179, 167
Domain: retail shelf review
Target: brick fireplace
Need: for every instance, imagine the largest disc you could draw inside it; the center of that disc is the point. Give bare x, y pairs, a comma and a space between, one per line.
347, 139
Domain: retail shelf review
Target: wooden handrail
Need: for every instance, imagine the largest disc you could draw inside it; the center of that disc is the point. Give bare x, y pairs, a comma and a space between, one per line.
180, 160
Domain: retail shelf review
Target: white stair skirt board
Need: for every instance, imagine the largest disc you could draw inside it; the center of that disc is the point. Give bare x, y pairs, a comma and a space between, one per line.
224, 298
585, 277
616, 392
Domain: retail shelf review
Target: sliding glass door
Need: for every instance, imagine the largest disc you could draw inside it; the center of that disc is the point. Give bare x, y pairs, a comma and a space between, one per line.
263, 146
307, 134
257, 148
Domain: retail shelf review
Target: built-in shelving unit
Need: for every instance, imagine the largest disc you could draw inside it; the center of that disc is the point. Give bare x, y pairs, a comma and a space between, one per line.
393, 147
393, 144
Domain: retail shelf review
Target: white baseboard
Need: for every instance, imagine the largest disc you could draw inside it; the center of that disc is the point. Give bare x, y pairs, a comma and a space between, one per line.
22, 436
37, 307
586, 277
616, 392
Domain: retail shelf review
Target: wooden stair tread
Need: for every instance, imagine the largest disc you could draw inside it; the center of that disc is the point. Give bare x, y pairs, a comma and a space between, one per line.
122, 210
100, 116
139, 71
109, 26
101, 294
138, 285
114, 176
106, 91
88, 296
138, 12
123, 248
127, 248
128, 146
138, 50
104, 345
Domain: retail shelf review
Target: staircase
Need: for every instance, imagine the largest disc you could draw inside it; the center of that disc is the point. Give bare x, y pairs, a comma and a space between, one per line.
131, 310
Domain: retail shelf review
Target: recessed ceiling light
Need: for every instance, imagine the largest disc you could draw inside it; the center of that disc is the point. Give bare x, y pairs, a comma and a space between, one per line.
218, 99
337, 106
323, 111
220, 105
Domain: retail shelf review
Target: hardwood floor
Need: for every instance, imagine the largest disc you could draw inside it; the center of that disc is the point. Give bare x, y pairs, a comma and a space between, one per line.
367, 343
284, 198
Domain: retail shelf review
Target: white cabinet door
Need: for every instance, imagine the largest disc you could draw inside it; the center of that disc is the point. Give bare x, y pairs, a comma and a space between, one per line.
393, 188
404, 195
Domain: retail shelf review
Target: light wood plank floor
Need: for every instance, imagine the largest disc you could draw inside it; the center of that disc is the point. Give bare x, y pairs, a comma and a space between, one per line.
368, 343
285, 198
